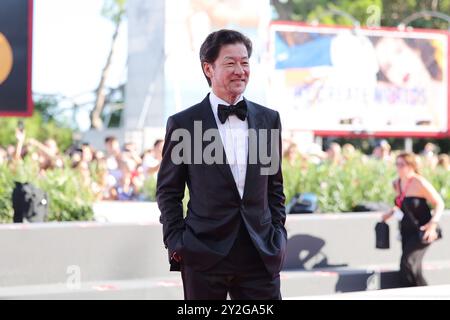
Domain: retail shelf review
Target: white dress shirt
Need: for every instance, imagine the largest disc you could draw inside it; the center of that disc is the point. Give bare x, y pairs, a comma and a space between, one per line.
234, 135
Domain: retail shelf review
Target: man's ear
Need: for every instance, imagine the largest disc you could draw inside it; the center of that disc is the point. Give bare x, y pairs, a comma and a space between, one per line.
207, 69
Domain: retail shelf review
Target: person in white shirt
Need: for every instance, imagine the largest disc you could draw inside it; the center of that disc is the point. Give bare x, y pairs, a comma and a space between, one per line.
233, 240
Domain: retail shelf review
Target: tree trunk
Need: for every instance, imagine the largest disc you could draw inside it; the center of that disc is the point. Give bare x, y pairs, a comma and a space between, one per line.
284, 10
96, 120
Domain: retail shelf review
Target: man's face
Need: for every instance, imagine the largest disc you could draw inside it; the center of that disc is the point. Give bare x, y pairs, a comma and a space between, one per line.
159, 147
113, 147
230, 73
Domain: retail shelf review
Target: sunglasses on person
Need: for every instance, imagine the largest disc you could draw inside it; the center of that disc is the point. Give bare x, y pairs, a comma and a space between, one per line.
400, 164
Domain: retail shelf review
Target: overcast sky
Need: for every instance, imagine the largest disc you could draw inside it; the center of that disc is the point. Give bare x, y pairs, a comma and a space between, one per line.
71, 42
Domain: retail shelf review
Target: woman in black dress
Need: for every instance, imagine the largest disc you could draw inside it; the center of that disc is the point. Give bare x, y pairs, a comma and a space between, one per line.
414, 193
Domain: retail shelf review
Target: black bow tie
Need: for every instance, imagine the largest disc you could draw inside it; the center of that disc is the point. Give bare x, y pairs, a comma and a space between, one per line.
240, 110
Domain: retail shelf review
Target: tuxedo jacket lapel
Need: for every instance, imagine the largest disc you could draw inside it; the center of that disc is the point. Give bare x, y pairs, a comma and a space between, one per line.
255, 122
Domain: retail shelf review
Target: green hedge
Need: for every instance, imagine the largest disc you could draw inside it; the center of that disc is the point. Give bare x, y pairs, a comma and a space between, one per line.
69, 199
149, 189
340, 188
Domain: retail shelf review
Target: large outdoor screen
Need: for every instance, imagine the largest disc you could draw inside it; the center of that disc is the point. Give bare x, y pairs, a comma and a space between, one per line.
335, 80
15, 57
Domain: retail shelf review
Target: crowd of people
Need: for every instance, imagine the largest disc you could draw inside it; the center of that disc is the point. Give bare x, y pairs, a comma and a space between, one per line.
115, 173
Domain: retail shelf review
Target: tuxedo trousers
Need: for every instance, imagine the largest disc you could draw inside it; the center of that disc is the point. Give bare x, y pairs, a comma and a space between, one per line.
241, 275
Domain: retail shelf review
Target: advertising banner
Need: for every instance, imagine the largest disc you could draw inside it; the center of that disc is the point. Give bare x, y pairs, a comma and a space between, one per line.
15, 57
341, 81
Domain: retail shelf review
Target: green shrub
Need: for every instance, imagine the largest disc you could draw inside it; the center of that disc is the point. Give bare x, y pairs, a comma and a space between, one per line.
6, 187
69, 198
149, 192
149, 189
340, 188
440, 179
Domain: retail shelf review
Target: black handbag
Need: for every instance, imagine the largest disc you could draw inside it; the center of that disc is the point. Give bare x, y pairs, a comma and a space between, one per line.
382, 235
421, 233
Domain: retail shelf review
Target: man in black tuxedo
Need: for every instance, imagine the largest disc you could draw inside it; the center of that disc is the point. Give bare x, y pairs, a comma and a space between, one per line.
232, 240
